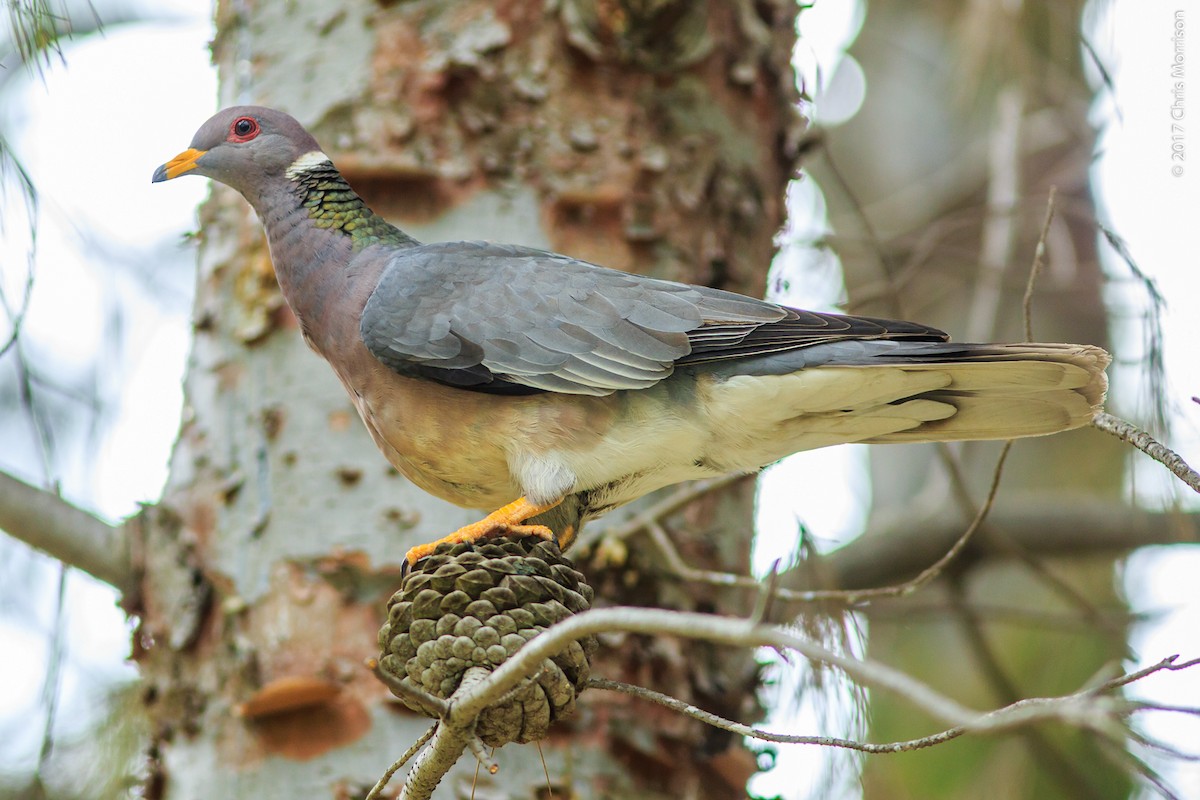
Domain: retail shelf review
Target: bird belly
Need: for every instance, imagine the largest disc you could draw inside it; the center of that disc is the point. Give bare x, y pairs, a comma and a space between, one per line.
481, 451
446, 441
655, 437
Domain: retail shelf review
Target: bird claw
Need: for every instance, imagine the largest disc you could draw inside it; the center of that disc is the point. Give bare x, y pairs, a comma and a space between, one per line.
474, 533
506, 529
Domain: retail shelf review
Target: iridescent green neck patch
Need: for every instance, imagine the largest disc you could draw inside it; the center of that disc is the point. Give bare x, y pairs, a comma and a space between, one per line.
332, 204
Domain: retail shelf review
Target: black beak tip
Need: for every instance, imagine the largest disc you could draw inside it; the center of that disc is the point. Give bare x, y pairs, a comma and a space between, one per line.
160, 174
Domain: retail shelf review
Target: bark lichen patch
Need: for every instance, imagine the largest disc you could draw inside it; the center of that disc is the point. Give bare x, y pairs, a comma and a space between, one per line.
258, 298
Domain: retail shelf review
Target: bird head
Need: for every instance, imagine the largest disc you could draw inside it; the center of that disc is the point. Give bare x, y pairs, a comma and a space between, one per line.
245, 147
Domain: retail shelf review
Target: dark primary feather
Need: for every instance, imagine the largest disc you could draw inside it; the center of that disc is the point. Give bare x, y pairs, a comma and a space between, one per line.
515, 320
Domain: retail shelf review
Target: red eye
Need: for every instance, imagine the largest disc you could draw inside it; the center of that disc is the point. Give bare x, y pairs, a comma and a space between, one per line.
243, 129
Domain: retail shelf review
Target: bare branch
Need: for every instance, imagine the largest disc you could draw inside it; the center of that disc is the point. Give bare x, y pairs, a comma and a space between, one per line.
720, 630
455, 733
649, 520
433, 706
1131, 434
893, 550
987, 721
479, 750
382, 783
44, 520
1090, 708
933, 570
898, 546
1168, 663
479, 691
708, 718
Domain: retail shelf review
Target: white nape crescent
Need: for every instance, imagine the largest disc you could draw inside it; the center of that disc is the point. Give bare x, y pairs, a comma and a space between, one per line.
307, 162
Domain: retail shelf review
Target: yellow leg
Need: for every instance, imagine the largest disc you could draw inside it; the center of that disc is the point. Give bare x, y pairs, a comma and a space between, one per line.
503, 521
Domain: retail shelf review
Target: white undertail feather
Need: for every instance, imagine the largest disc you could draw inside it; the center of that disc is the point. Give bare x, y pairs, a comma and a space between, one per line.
1015, 391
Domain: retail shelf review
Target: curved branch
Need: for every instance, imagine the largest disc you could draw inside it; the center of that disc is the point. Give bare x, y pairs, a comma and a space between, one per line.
44, 520
1087, 708
1131, 434
708, 627
468, 702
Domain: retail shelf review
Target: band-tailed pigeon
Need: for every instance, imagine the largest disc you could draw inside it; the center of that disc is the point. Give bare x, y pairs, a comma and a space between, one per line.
494, 375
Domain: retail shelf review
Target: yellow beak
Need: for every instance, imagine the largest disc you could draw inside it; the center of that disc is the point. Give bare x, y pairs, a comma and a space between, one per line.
184, 162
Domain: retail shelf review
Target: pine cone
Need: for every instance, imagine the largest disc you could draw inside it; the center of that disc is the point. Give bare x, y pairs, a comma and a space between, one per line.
472, 605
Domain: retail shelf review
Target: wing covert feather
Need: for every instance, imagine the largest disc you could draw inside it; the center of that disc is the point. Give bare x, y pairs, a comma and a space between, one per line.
513, 319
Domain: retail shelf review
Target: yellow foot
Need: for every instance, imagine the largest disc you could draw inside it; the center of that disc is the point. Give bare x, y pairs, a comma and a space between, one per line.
506, 521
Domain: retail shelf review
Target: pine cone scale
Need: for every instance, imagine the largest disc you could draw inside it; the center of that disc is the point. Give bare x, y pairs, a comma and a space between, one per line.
475, 605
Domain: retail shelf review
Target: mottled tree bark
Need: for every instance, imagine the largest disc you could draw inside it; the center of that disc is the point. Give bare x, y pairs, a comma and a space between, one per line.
651, 137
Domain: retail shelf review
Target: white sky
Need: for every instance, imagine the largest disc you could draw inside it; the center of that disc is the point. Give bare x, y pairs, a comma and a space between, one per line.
91, 151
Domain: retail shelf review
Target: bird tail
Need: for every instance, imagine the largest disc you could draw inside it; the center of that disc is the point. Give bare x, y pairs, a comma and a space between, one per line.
1001, 391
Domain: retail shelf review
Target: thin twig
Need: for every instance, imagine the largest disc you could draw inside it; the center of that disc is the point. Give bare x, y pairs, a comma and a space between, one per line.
1154, 389
52, 686
933, 570
681, 497
716, 721
1132, 434
382, 783
433, 706
1039, 256
1006, 544
676, 563
1169, 664
1041, 750
1034, 524
766, 594
479, 749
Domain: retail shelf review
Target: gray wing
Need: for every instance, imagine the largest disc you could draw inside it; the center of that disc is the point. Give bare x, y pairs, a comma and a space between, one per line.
515, 320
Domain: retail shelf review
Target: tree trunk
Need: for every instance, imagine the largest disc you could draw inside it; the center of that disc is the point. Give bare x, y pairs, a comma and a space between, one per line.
649, 137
